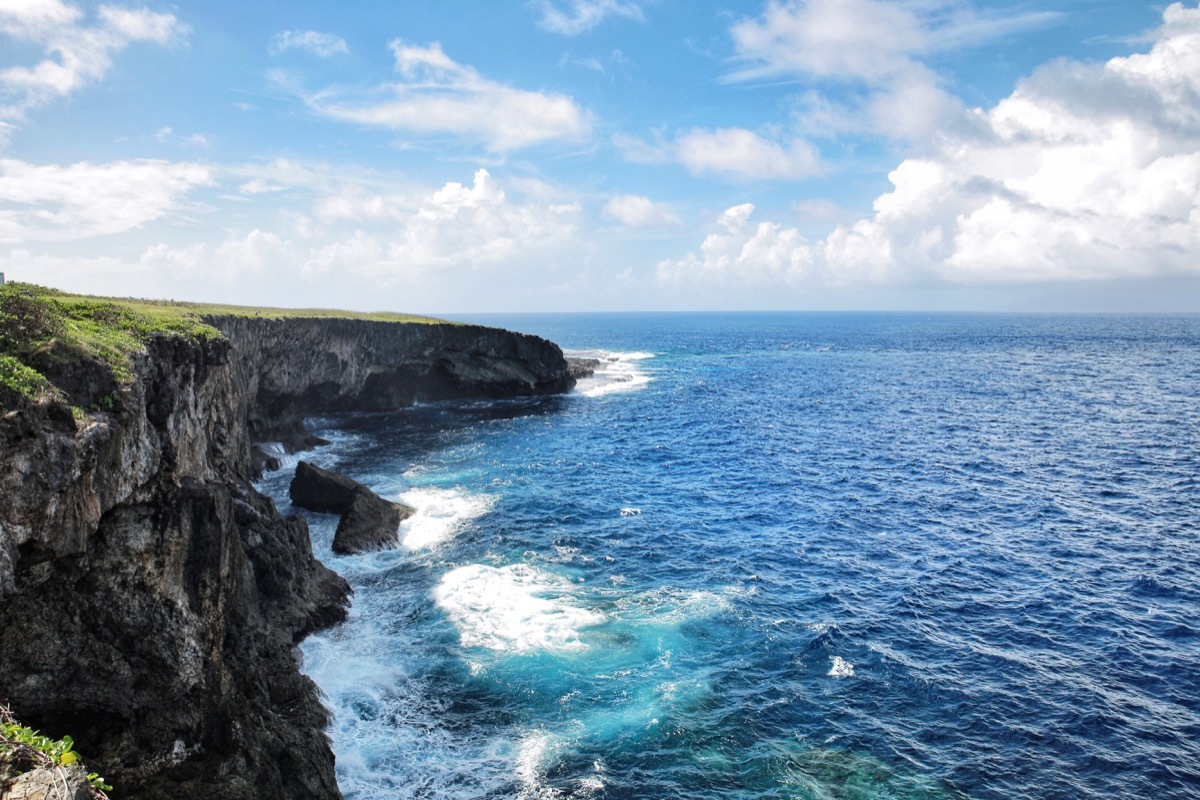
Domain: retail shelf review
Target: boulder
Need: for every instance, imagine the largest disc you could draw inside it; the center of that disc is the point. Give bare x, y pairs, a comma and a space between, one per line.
322, 490
370, 523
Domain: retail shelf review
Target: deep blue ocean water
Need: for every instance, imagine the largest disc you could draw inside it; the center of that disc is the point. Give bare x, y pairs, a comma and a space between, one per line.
786, 556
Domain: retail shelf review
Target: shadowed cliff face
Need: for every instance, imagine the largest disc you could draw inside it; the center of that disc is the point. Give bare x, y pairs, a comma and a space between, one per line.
293, 367
150, 598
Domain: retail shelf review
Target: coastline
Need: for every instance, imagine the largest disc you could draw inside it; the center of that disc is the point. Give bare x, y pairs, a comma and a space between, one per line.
174, 591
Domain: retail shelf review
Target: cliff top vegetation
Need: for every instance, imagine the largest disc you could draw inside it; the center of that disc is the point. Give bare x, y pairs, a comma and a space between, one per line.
40, 327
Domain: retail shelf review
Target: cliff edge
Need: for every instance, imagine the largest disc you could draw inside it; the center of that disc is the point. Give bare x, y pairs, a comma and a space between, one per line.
150, 597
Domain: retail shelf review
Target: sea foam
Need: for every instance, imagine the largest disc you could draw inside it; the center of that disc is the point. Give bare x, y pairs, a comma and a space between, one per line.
616, 372
516, 608
440, 514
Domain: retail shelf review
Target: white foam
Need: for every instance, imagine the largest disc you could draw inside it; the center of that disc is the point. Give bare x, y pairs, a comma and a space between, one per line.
535, 751
672, 607
616, 372
516, 608
841, 668
277, 451
440, 514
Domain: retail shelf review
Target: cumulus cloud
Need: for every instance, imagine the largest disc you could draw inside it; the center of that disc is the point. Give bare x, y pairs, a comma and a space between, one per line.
76, 51
57, 203
320, 44
731, 152
636, 211
256, 252
573, 17
1086, 171
455, 226
435, 95
874, 47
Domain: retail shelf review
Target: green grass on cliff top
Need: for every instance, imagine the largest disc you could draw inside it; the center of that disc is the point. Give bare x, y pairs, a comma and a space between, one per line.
40, 326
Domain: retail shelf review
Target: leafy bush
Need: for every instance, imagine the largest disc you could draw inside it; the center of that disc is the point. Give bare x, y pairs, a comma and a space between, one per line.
22, 380
24, 749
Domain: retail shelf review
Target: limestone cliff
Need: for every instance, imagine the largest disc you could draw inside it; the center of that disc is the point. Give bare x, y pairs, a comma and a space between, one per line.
150, 598
291, 367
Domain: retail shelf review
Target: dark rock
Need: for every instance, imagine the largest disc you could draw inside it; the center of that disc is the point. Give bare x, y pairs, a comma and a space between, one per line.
84, 381
370, 523
150, 598
321, 490
292, 368
581, 368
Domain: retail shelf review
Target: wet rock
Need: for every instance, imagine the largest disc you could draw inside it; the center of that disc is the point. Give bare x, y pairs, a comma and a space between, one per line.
370, 523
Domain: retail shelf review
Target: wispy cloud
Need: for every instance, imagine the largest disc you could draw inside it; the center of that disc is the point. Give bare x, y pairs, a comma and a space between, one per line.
573, 17
77, 51
48, 202
729, 152
874, 47
436, 95
868, 40
320, 44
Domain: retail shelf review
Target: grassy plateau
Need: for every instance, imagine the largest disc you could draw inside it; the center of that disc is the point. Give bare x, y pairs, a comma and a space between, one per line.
40, 325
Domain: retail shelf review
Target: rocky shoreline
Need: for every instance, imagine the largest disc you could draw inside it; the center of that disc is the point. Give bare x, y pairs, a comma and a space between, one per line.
150, 597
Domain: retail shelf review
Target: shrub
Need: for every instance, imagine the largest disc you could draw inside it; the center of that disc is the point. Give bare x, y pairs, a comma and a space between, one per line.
23, 749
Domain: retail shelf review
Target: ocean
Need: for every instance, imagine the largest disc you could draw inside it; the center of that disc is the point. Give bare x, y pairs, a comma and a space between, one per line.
814, 555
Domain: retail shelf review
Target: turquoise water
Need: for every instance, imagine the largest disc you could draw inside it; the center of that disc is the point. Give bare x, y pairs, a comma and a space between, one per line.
786, 556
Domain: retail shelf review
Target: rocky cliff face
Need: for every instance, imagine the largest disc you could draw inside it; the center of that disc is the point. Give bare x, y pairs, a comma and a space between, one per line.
150, 598
292, 367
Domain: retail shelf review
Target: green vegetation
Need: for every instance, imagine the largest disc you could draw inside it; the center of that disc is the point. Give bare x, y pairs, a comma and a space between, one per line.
39, 326
23, 749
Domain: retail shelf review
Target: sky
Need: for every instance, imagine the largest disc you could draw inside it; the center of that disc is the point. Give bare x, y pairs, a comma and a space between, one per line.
606, 155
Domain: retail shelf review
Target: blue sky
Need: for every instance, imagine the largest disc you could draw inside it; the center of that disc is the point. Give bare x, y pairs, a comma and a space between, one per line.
565, 155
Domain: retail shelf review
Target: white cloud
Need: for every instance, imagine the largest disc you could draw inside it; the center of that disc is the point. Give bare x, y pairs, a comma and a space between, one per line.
477, 225
874, 47
572, 17
436, 96
57, 203
76, 53
636, 211
744, 154
868, 40
732, 152
320, 44
1084, 172
259, 186
256, 252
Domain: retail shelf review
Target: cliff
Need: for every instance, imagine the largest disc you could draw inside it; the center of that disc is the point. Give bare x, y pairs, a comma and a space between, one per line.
150, 598
291, 368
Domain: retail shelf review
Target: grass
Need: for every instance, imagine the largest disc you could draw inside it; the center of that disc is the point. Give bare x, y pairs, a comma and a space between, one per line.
39, 324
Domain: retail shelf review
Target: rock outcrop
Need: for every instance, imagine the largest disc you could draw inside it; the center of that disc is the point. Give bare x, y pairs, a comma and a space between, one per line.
151, 598
368, 521
321, 490
343, 365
